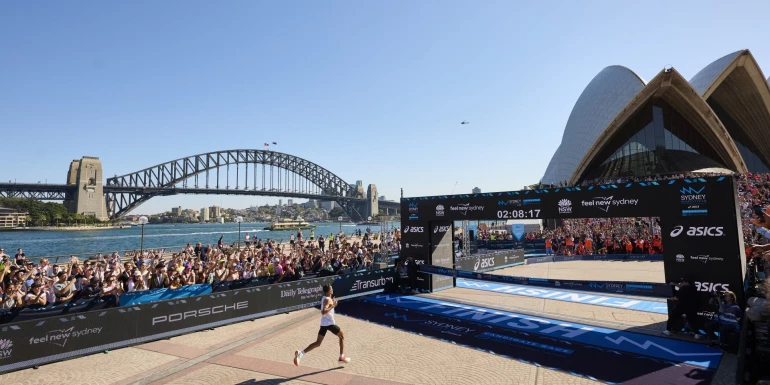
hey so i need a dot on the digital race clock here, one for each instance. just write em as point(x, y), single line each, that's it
point(518, 214)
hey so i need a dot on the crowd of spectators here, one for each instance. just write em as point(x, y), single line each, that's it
point(593, 236)
point(28, 283)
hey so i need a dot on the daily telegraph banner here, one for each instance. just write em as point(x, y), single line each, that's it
point(647, 289)
point(486, 262)
point(699, 222)
point(26, 344)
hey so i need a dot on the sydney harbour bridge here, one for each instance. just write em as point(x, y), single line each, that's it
point(229, 172)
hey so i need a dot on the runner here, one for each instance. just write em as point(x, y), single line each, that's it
point(327, 324)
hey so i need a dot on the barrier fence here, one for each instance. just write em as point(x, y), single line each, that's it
point(139, 297)
point(41, 341)
point(388, 257)
point(597, 257)
point(538, 244)
point(79, 305)
point(646, 289)
point(486, 262)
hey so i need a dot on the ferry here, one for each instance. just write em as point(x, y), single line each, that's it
point(288, 225)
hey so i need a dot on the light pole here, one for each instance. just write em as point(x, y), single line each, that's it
point(239, 219)
point(142, 221)
point(340, 219)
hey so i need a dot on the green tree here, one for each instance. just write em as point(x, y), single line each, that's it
point(337, 212)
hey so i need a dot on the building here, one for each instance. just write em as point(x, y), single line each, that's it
point(622, 126)
point(382, 198)
point(310, 204)
point(216, 211)
point(176, 211)
point(328, 205)
point(205, 214)
point(280, 202)
point(12, 218)
point(359, 183)
point(290, 202)
point(476, 190)
point(278, 210)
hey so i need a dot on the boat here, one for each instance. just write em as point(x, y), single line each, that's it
point(288, 225)
point(368, 223)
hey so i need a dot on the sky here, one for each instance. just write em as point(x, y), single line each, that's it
point(370, 90)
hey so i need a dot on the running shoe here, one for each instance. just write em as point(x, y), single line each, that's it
point(344, 358)
point(297, 357)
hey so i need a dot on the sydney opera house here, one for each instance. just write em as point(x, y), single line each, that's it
point(622, 126)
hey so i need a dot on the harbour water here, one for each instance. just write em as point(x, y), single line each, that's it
point(61, 243)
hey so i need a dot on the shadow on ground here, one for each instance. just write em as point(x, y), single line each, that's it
point(277, 381)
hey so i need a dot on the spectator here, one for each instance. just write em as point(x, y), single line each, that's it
point(64, 287)
point(160, 279)
point(35, 295)
point(137, 282)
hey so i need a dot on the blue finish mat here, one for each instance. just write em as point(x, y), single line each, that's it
point(568, 296)
point(650, 346)
point(600, 365)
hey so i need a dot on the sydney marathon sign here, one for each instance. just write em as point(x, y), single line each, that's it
point(40, 341)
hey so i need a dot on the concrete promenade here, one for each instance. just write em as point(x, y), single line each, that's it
point(261, 351)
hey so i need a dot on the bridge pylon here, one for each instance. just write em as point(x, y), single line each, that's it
point(88, 197)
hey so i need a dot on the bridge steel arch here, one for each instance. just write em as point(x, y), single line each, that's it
point(127, 192)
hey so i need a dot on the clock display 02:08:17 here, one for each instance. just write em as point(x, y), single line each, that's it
point(518, 214)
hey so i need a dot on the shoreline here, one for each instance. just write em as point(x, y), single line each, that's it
point(63, 228)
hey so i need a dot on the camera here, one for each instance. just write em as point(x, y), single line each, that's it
point(759, 213)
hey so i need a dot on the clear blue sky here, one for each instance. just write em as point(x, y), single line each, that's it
point(371, 90)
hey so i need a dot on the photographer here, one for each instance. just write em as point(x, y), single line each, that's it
point(64, 287)
point(686, 300)
point(726, 321)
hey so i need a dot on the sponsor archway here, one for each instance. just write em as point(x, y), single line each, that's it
point(699, 222)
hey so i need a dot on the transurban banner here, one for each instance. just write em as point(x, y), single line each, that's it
point(41, 341)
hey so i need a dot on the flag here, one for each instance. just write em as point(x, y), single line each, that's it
point(275, 143)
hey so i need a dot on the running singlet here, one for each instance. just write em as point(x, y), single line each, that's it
point(328, 318)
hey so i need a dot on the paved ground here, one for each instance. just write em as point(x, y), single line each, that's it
point(632, 271)
point(260, 352)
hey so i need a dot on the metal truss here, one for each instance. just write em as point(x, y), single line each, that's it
point(36, 191)
point(281, 175)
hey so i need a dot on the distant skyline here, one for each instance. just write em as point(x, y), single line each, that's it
point(372, 91)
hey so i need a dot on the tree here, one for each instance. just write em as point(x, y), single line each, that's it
point(337, 212)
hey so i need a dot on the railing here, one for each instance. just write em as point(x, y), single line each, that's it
point(80, 304)
point(126, 255)
point(109, 329)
